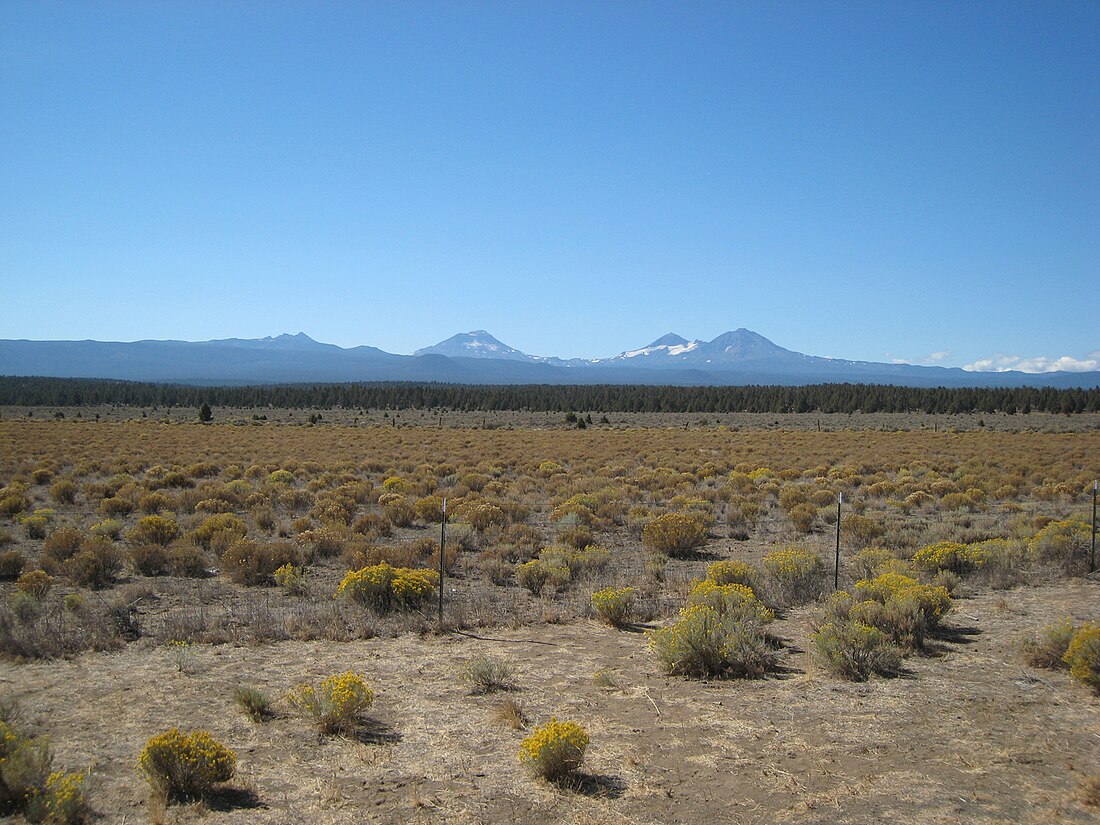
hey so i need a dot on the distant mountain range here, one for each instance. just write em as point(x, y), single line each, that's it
point(733, 358)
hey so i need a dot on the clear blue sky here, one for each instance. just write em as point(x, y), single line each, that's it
point(873, 181)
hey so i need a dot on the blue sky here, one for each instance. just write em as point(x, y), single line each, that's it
point(874, 181)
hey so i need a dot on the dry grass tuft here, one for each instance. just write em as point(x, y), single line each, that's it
point(510, 714)
point(1090, 791)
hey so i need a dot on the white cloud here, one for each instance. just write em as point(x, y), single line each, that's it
point(1041, 363)
point(926, 361)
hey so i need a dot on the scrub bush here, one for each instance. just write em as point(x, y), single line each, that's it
point(250, 563)
point(336, 703)
point(384, 587)
point(29, 785)
point(97, 565)
point(796, 574)
point(555, 749)
point(35, 583)
point(62, 544)
point(486, 673)
point(63, 492)
point(1063, 542)
point(12, 563)
point(252, 702)
point(704, 643)
point(853, 650)
point(220, 523)
point(108, 528)
point(676, 534)
point(1048, 647)
point(185, 766)
point(735, 600)
point(538, 573)
point(154, 530)
point(899, 606)
point(868, 563)
point(399, 512)
point(150, 560)
point(614, 604)
point(291, 579)
point(1083, 656)
point(733, 572)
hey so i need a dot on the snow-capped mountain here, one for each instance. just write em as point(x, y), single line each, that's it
point(667, 346)
point(739, 357)
point(741, 347)
point(476, 344)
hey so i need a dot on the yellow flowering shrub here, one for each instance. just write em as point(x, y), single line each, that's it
point(412, 587)
point(292, 579)
point(63, 800)
point(538, 573)
point(35, 583)
point(335, 704)
point(733, 598)
point(614, 604)
point(704, 643)
point(900, 606)
point(1064, 542)
point(281, 477)
point(1083, 655)
point(554, 749)
point(943, 555)
point(676, 534)
point(733, 572)
point(219, 523)
point(796, 574)
point(934, 601)
point(28, 785)
point(384, 587)
point(883, 586)
point(154, 530)
point(185, 765)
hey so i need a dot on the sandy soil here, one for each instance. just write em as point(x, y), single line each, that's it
point(969, 734)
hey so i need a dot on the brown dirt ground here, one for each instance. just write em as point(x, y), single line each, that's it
point(969, 735)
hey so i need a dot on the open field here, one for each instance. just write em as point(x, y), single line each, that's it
point(112, 654)
point(520, 419)
point(970, 734)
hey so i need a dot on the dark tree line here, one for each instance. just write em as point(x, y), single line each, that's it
point(823, 398)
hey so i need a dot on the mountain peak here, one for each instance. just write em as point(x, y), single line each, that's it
point(475, 344)
point(744, 343)
point(286, 337)
point(670, 339)
point(670, 345)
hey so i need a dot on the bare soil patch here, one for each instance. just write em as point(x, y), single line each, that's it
point(969, 734)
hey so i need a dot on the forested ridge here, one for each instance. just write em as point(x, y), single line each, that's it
point(824, 398)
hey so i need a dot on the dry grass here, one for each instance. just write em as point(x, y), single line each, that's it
point(1090, 791)
point(970, 736)
point(967, 734)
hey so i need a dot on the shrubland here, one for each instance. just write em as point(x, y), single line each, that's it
point(548, 517)
point(705, 540)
